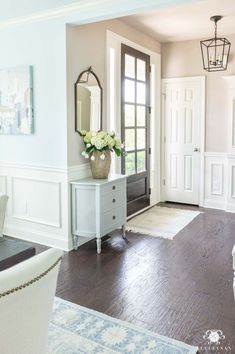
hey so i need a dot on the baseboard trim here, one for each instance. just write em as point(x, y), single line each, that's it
point(37, 237)
point(211, 204)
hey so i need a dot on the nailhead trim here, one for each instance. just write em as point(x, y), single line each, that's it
point(30, 282)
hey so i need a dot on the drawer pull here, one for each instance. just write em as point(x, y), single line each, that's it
point(114, 200)
point(114, 187)
point(114, 217)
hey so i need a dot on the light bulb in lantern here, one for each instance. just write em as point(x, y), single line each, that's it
point(212, 60)
point(219, 59)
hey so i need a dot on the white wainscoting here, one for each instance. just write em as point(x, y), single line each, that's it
point(38, 204)
point(231, 184)
point(3, 184)
point(39, 207)
point(220, 181)
point(38, 201)
point(75, 173)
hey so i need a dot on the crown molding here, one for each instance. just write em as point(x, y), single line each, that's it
point(59, 12)
point(88, 10)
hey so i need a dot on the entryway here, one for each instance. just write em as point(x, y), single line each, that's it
point(183, 119)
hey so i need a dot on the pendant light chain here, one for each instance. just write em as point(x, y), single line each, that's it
point(215, 29)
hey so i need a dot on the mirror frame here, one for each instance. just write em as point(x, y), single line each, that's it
point(89, 71)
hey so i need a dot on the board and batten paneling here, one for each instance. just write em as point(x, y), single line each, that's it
point(38, 204)
point(231, 184)
point(220, 181)
point(38, 201)
point(220, 167)
point(215, 180)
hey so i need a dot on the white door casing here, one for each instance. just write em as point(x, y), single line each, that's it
point(183, 132)
point(113, 105)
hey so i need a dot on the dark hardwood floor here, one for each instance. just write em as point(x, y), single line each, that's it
point(178, 288)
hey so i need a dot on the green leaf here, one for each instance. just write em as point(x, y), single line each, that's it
point(117, 151)
point(90, 149)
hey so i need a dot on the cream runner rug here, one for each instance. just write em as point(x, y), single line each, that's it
point(161, 221)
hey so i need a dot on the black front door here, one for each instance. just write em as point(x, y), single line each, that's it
point(135, 111)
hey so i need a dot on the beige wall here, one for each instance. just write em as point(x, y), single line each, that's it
point(86, 45)
point(184, 59)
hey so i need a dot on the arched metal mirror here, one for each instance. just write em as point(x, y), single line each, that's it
point(88, 102)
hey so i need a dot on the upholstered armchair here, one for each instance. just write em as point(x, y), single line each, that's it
point(27, 293)
point(3, 205)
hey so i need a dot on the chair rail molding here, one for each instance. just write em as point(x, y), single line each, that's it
point(79, 171)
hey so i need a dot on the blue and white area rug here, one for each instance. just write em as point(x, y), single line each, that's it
point(75, 329)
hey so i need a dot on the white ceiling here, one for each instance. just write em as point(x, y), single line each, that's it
point(185, 22)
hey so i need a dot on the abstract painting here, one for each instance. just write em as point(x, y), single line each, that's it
point(16, 101)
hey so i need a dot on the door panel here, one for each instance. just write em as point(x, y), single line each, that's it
point(135, 98)
point(182, 119)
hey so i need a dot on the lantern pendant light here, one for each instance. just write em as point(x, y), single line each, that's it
point(215, 51)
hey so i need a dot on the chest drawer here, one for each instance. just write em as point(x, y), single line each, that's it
point(112, 200)
point(113, 217)
point(114, 187)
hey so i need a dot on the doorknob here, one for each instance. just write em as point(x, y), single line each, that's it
point(124, 153)
point(196, 150)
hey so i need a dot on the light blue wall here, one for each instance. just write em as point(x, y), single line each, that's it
point(41, 45)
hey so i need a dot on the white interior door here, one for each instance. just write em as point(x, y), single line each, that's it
point(183, 137)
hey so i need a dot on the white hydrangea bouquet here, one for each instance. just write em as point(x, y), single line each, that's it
point(100, 141)
point(98, 146)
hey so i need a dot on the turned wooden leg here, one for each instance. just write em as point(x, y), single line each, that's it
point(75, 242)
point(98, 242)
point(124, 231)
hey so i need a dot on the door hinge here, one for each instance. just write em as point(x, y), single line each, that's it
point(149, 190)
point(164, 182)
point(150, 151)
point(164, 95)
point(150, 110)
point(164, 140)
point(150, 69)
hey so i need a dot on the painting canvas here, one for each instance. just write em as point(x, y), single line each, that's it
point(16, 100)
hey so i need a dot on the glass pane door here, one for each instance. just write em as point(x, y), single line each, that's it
point(135, 122)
